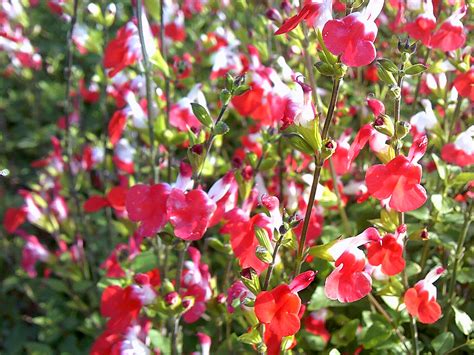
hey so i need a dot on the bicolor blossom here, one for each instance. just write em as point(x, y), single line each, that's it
point(461, 152)
point(388, 252)
point(450, 35)
point(424, 24)
point(420, 300)
point(195, 282)
point(424, 120)
point(464, 84)
point(349, 281)
point(397, 183)
point(299, 108)
point(125, 48)
point(353, 36)
point(315, 12)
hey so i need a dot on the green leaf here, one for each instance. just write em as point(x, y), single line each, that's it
point(322, 251)
point(252, 338)
point(160, 342)
point(299, 143)
point(144, 262)
point(462, 179)
point(443, 343)
point(377, 334)
point(388, 65)
point(415, 69)
point(463, 321)
point(346, 334)
point(440, 166)
point(159, 63)
point(202, 115)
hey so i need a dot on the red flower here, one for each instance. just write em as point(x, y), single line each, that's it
point(116, 126)
point(13, 218)
point(420, 300)
point(279, 309)
point(147, 205)
point(388, 252)
point(314, 13)
point(461, 152)
point(190, 213)
point(315, 323)
point(464, 84)
point(242, 237)
point(398, 182)
point(115, 198)
point(349, 281)
point(353, 36)
point(450, 36)
point(423, 26)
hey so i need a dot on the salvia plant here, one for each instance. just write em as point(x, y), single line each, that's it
point(232, 177)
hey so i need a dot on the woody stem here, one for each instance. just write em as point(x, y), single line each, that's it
point(149, 92)
point(317, 174)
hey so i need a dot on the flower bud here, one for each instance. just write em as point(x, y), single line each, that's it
point(273, 15)
point(328, 148)
point(384, 124)
point(167, 286)
point(263, 254)
point(187, 302)
point(250, 279)
point(172, 299)
point(196, 156)
point(142, 279)
point(402, 129)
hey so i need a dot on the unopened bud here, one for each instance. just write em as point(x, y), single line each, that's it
point(250, 279)
point(328, 149)
point(402, 129)
point(239, 80)
point(273, 15)
point(187, 302)
point(171, 299)
point(142, 279)
point(167, 286)
point(263, 254)
point(384, 124)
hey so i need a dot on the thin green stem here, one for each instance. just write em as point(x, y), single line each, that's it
point(268, 276)
point(418, 83)
point(384, 313)
point(401, 215)
point(454, 118)
point(459, 251)
point(340, 206)
point(209, 144)
point(316, 175)
point(149, 92)
point(176, 319)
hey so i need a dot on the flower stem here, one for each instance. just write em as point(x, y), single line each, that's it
point(209, 143)
point(401, 215)
point(384, 313)
point(317, 175)
point(340, 206)
point(177, 318)
point(458, 258)
point(268, 276)
point(149, 92)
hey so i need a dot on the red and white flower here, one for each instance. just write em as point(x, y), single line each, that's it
point(349, 281)
point(420, 300)
point(353, 36)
